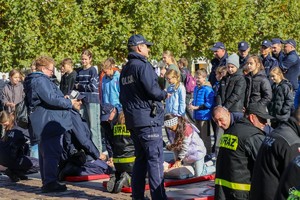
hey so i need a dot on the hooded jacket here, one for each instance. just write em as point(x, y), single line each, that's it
point(282, 101)
point(258, 89)
point(231, 92)
point(49, 111)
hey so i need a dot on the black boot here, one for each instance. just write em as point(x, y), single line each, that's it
point(69, 170)
point(54, 187)
point(13, 177)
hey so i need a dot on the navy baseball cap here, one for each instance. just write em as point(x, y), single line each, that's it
point(106, 109)
point(266, 43)
point(74, 94)
point(218, 45)
point(135, 40)
point(276, 41)
point(243, 46)
point(291, 42)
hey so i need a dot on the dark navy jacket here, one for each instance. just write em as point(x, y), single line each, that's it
point(138, 90)
point(291, 67)
point(13, 147)
point(279, 57)
point(215, 64)
point(269, 62)
point(79, 138)
point(243, 61)
point(49, 111)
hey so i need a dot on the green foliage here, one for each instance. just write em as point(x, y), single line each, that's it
point(63, 28)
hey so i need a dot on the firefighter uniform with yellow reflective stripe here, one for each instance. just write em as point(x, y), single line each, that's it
point(238, 149)
point(123, 149)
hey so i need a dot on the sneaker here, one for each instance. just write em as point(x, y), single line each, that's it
point(13, 177)
point(123, 181)
point(54, 187)
point(111, 183)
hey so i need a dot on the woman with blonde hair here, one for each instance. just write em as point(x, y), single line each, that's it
point(175, 104)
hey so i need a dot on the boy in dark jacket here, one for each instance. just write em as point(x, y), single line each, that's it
point(232, 88)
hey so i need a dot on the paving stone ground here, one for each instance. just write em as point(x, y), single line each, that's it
point(31, 189)
point(91, 190)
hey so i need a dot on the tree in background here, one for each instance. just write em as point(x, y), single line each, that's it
point(63, 28)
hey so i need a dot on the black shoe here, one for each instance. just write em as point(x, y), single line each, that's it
point(21, 176)
point(123, 181)
point(54, 187)
point(111, 183)
point(69, 170)
point(13, 177)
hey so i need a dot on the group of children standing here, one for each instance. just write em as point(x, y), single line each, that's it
point(236, 87)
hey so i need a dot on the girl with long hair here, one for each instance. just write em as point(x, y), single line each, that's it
point(176, 102)
point(186, 144)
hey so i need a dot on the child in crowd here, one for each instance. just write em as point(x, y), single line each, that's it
point(12, 92)
point(221, 71)
point(169, 60)
point(87, 84)
point(282, 101)
point(232, 88)
point(258, 88)
point(201, 105)
point(110, 89)
point(176, 103)
point(186, 144)
point(14, 150)
point(68, 79)
point(119, 146)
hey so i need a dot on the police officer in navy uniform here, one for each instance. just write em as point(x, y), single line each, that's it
point(266, 57)
point(219, 60)
point(50, 118)
point(244, 49)
point(291, 63)
point(141, 96)
point(277, 51)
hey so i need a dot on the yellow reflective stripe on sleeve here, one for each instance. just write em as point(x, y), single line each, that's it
point(124, 160)
point(234, 186)
point(121, 130)
point(229, 141)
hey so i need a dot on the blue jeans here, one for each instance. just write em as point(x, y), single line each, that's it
point(91, 113)
point(201, 169)
point(148, 145)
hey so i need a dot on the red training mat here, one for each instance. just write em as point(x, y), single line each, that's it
point(86, 177)
point(172, 182)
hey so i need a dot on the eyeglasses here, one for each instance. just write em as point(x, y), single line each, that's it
point(50, 69)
